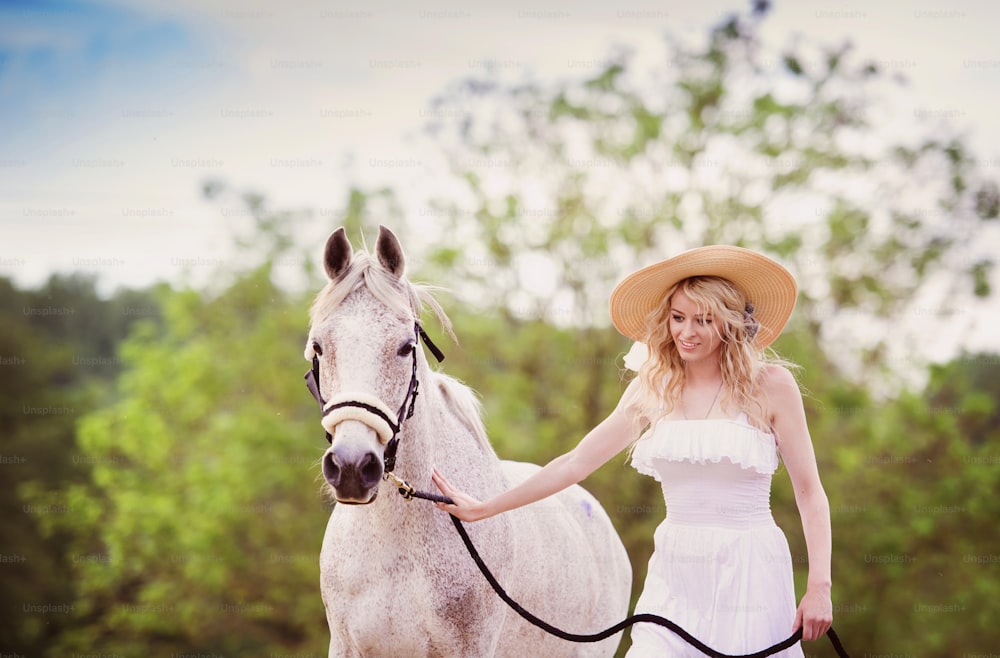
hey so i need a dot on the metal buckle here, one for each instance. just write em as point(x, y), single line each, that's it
point(405, 490)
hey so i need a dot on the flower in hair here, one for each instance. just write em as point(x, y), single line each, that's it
point(750, 322)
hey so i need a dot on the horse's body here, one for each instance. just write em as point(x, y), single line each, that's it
point(396, 579)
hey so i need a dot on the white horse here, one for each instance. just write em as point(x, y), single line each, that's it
point(395, 577)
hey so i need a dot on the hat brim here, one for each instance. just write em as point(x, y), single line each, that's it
point(766, 283)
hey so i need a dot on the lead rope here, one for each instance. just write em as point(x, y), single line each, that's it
point(409, 493)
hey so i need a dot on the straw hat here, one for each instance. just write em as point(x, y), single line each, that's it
point(766, 284)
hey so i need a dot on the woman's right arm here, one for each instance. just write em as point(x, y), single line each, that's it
point(602, 443)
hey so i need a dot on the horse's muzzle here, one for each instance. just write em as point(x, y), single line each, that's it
point(354, 474)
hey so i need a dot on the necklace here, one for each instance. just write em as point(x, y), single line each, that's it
point(710, 407)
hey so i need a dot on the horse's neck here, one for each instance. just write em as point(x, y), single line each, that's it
point(436, 437)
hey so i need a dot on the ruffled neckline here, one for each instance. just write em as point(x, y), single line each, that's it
point(706, 441)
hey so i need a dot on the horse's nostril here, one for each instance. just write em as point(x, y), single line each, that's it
point(330, 470)
point(371, 470)
point(352, 476)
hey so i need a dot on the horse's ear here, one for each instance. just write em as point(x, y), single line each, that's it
point(337, 255)
point(390, 254)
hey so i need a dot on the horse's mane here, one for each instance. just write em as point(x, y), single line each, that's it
point(462, 401)
point(407, 299)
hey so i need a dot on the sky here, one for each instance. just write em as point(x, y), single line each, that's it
point(113, 114)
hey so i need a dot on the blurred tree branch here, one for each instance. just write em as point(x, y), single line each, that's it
point(566, 187)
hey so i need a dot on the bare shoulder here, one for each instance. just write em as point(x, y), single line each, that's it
point(780, 385)
point(777, 376)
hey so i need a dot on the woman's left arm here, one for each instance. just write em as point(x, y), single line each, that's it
point(788, 419)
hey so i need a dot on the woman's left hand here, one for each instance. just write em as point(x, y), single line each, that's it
point(815, 614)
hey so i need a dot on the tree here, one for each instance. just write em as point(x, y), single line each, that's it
point(197, 519)
point(201, 500)
point(57, 362)
point(566, 187)
point(197, 503)
point(914, 522)
point(195, 516)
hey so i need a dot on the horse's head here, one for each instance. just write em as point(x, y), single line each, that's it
point(363, 334)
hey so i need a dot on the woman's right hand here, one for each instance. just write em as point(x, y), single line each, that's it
point(465, 507)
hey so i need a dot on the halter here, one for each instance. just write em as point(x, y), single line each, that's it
point(370, 410)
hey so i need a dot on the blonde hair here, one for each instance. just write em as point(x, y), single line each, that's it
point(663, 375)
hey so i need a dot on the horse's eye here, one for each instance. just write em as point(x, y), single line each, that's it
point(317, 349)
point(405, 349)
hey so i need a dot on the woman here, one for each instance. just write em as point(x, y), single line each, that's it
point(719, 412)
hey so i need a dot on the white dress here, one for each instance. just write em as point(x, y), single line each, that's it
point(721, 567)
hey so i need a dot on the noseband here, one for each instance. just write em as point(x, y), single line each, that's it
point(370, 410)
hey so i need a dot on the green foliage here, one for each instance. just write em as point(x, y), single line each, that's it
point(910, 480)
point(911, 484)
point(715, 145)
point(570, 186)
point(174, 515)
point(202, 501)
point(196, 522)
point(57, 362)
